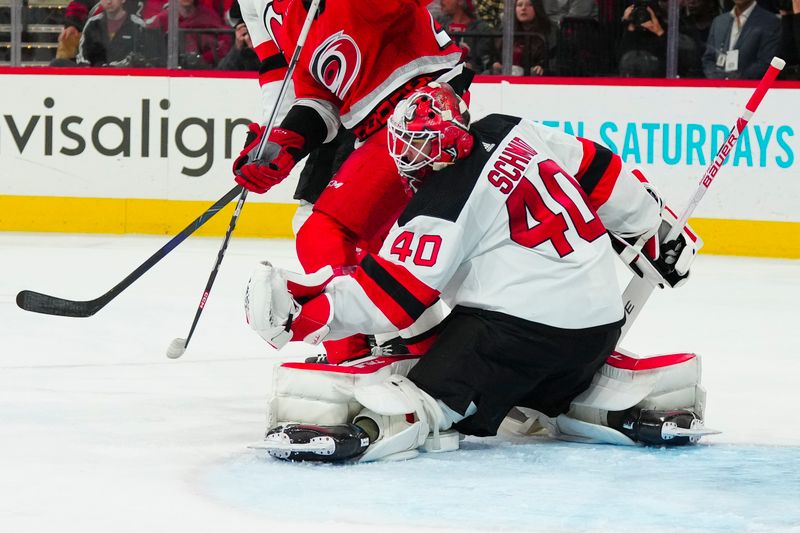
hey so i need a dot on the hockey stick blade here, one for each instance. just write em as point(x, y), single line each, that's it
point(37, 302)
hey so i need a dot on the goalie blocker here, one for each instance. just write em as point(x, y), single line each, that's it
point(665, 263)
point(368, 410)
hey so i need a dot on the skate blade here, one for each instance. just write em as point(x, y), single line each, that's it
point(671, 430)
point(683, 432)
point(279, 445)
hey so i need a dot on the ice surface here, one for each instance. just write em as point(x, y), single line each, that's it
point(99, 431)
point(493, 484)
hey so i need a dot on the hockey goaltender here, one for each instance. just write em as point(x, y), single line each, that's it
point(511, 225)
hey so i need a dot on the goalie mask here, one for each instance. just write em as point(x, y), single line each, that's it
point(428, 131)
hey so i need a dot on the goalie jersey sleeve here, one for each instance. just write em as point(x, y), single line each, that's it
point(518, 228)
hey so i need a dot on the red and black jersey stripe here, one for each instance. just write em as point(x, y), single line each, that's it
point(273, 67)
point(394, 290)
point(598, 172)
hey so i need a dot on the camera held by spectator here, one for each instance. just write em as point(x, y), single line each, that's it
point(644, 43)
point(641, 15)
point(642, 11)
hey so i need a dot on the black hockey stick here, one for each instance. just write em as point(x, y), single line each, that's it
point(178, 345)
point(37, 302)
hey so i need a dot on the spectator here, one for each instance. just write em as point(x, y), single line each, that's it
point(696, 17)
point(75, 16)
point(151, 8)
point(491, 12)
point(533, 38)
point(773, 6)
point(114, 38)
point(458, 16)
point(67, 49)
point(199, 50)
point(644, 42)
point(741, 42)
point(790, 38)
point(557, 10)
point(242, 56)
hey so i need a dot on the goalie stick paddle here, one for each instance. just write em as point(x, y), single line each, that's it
point(37, 302)
point(639, 289)
point(178, 345)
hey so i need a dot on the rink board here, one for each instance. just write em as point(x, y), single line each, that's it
point(131, 151)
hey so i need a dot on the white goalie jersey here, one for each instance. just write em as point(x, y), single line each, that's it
point(518, 227)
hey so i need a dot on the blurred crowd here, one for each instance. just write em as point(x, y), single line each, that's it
point(732, 39)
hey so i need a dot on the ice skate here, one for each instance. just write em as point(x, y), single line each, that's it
point(305, 442)
point(662, 428)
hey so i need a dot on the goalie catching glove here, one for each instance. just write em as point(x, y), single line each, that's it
point(283, 306)
point(284, 148)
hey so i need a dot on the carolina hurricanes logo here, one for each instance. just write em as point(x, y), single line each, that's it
point(273, 16)
point(336, 63)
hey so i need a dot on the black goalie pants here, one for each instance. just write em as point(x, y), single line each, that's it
point(497, 361)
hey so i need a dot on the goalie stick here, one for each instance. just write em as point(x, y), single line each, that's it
point(639, 289)
point(178, 345)
point(37, 302)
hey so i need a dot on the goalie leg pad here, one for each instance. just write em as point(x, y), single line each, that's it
point(397, 438)
point(310, 393)
point(626, 385)
point(657, 382)
point(407, 419)
point(638, 386)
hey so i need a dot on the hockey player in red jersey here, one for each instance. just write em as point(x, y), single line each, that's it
point(357, 63)
point(325, 160)
point(509, 228)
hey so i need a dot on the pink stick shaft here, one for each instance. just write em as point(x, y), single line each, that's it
point(763, 87)
point(727, 147)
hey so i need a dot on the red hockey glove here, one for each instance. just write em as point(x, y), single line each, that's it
point(254, 133)
point(284, 148)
